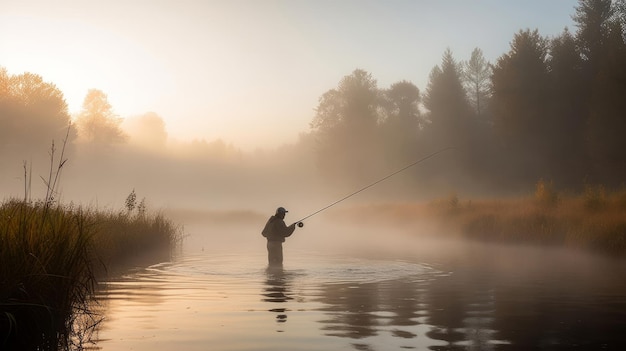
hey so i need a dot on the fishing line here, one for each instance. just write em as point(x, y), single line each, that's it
point(300, 224)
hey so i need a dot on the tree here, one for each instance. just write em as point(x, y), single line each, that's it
point(452, 122)
point(147, 130)
point(593, 20)
point(447, 103)
point(4, 84)
point(96, 123)
point(568, 110)
point(620, 14)
point(519, 105)
point(607, 123)
point(345, 126)
point(477, 81)
point(402, 120)
point(601, 36)
point(33, 113)
point(401, 102)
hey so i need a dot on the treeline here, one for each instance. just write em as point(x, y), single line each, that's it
point(33, 112)
point(550, 108)
point(98, 143)
point(108, 155)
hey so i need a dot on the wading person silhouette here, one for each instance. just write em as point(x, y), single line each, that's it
point(276, 231)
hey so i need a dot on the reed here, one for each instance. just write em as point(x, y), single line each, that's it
point(45, 271)
point(593, 220)
point(124, 238)
point(51, 257)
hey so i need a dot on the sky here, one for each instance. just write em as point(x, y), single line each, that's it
point(250, 72)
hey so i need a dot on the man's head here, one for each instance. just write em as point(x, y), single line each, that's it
point(280, 212)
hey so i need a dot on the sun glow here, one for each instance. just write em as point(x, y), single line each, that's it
point(248, 72)
point(77, 56)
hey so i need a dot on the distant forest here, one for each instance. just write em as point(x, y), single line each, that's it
point(551, 109)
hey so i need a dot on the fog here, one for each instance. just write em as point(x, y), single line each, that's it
point(195, 175)
point(222, 196)
point(349, 144)
point(560, 125)
point(342, 232)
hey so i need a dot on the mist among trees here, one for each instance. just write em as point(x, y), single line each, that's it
point(551, 108)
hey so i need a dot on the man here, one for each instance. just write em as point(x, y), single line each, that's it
point(276, 231)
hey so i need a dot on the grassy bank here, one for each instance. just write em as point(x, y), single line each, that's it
point(594, 220)
point(51, 257)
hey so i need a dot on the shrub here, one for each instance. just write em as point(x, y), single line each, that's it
point(545, 194)
point(595, 198)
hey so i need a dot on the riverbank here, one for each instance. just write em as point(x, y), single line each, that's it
point(594, 220)
point(52, 257)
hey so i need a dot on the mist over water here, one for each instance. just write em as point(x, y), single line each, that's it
point(349, 286)
point(348, 281)
point(542, 123)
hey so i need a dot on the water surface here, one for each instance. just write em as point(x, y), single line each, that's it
point(479, 298)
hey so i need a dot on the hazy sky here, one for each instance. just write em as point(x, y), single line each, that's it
point(250, 72)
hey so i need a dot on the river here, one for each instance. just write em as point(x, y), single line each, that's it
point(428, 295)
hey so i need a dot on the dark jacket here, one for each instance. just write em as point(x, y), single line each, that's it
point(276, 229)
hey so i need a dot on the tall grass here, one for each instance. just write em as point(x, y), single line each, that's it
point(46, 272)
point(127, 237)
point(573, 222)
point(593, 220)
point(51, 257)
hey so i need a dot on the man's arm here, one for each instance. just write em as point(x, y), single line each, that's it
point(285, 230)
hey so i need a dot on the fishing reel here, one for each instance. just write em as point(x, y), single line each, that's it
point(300, 224)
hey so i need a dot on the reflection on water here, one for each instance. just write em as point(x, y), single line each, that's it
point(277, 290)
point(227, 302)
point(412, 313)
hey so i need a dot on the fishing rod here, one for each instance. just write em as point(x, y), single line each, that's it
point(300, 224)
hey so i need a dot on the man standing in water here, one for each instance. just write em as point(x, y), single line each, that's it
point(276, 231)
